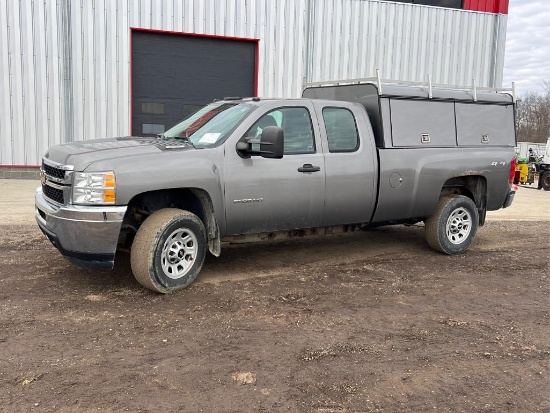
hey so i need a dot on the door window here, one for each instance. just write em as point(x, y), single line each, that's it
point(296, 125)
point(341, 130)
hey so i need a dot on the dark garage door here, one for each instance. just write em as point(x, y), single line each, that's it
point(173, 75)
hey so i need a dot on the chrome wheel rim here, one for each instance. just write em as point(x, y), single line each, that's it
point(459, 226)
point(179, 253)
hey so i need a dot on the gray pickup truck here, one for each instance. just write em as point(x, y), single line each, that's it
point(239, 170)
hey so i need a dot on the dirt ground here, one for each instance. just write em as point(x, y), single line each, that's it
point(365, 322)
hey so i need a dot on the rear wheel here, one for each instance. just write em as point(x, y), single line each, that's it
point(452, 227)
point(168, 250)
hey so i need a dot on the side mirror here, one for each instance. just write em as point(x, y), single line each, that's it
point(272, 143)
point(243, 146)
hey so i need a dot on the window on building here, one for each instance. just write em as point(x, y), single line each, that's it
point(152, 128)
point(189, 109)
point(153, 108)
point(341, 130)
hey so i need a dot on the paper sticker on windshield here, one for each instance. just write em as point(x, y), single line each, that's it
point(209, 138)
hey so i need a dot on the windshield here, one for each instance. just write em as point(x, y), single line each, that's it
point(211, 124)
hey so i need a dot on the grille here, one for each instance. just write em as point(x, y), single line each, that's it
point(52, 171)
point(54, 194)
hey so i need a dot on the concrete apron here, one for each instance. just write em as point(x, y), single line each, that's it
point(17, 204)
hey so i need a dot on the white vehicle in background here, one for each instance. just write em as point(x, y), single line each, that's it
point(544, 168)
point(546, 153)
point(522, 149)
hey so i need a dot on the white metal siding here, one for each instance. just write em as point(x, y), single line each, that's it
point(65, 64)
point(30, 80)
point(351, 39)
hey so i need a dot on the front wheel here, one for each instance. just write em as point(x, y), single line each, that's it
point(452, 227)
point(168, 250)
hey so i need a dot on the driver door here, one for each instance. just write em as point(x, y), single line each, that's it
point(265, 195)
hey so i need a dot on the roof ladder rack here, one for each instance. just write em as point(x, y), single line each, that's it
point(379, 82)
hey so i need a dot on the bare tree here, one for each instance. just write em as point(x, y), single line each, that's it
point(533, 115)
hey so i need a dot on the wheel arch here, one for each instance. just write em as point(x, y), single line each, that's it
point(194, 200)
point(472, 186)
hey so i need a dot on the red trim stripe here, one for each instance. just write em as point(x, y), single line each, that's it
point(257, 68)
point(20, 166)
point(210, 36)
point(131, 80)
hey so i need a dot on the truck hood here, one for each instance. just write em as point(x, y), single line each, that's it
point(82, 154)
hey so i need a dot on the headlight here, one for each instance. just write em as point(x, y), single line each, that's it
point(94, 188)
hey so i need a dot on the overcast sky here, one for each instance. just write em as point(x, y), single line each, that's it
point(527, 55)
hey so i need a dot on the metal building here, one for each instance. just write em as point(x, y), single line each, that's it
point(86, 69)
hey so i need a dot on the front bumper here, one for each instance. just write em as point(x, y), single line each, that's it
point(86, 235)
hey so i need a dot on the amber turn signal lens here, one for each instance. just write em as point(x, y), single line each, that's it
point(110, 181)
point(109, 196)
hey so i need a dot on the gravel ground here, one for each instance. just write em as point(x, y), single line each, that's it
point(364, 322)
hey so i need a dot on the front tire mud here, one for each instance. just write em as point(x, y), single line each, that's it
point(452, 227)
point(168, 250)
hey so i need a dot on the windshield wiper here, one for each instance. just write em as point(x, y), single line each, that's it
point(183, 138)
point(187, 140)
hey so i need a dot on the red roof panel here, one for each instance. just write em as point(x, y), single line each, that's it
point(489, 6)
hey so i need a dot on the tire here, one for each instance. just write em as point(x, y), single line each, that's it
point(452, 227)
point(545, 181)
point(168, 250)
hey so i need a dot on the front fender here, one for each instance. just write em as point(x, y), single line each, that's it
point(198, 169)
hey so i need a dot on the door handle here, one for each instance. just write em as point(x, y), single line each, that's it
point(309, 168)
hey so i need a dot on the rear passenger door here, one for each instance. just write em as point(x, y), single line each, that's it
point(350, 163)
